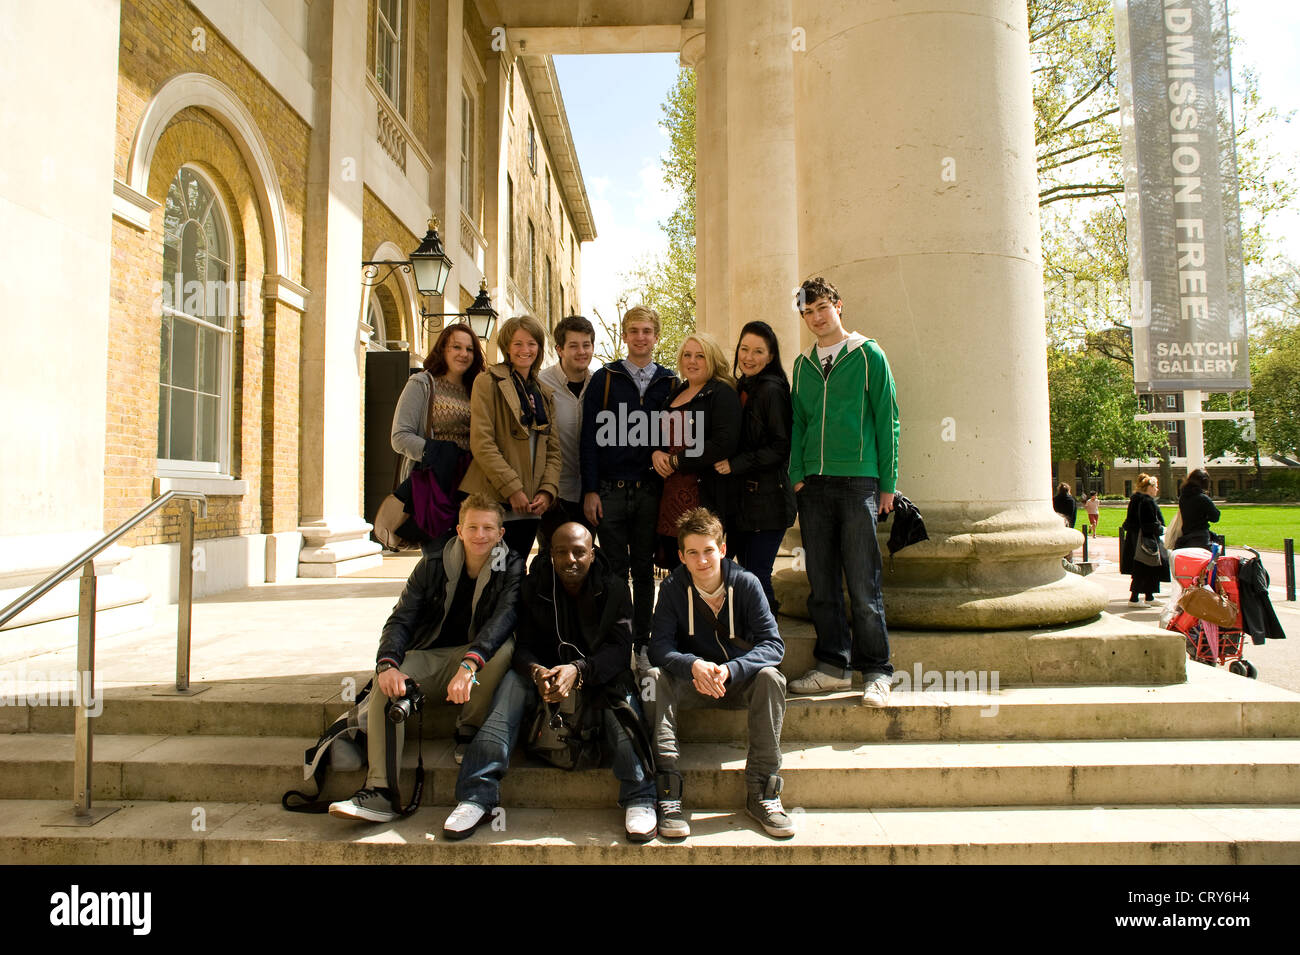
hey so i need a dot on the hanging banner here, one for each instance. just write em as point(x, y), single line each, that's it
point(1180, 183)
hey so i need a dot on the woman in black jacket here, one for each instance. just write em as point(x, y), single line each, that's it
point(1064, 504)
point(765, 505)
point(1143, 518)
point(1196, 510)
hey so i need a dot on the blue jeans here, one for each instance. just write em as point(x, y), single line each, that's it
point(628, 538)
point(837, 518)
point(756, 551)
point(488, 755)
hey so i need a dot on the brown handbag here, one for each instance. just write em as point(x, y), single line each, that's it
point(1206, 604)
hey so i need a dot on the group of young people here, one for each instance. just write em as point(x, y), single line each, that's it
point(612, 471)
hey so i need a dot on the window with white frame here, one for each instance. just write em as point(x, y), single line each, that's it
point(388, 51)
point(467, 154)
point(550, 313)
point(199, 305)
point(1171, 402)
point(510, 226)
point(532, 264)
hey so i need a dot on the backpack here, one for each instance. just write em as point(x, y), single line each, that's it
point(343, 745)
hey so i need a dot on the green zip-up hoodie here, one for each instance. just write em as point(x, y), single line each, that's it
point(859, 437)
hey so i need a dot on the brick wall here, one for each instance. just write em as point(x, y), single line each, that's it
point(158, 42)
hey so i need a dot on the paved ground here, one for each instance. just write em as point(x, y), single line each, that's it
point(1278, 660)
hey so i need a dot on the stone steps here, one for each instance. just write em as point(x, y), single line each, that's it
point(1212, 704)
point(826, 775)
point(234, 833)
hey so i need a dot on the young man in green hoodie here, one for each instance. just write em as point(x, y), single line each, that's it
point(844, 469)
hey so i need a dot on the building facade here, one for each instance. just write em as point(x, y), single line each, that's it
point(211, 192)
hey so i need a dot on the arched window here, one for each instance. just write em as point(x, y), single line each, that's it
point(197, 321)
point(375, 319)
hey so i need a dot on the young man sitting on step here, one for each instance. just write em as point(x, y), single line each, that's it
point(574, 636)
point(714, 642)
point(451, 627)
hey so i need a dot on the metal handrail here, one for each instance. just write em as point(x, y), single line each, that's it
point(83, 755)
point(39, 590)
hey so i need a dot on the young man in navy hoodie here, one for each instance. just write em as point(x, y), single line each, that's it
point(714, 642)
point(620, 489)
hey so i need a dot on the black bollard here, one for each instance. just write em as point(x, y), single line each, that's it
point(1288, 546)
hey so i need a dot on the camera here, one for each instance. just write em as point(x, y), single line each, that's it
point(401, 709)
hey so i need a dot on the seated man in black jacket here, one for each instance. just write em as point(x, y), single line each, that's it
point(451, 626)
point(714, 642)
point(575, 632)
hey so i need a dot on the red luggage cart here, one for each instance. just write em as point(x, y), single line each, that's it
point(1206, 643)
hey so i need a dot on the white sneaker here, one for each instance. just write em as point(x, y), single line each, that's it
point(641, 823)
point(876, 692)
point(815, 681)
point(464, 819)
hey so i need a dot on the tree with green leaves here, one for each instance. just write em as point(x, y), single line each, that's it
point(1092, 409)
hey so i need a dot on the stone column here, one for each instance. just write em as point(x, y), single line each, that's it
point(59, 232)
point(760, 182)
point(918, 199)
point(712, 299)
point(336, 535)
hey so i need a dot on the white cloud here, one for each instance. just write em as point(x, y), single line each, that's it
point(627, 216)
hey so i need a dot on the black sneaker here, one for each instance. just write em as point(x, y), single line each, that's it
point(367, 805)
point(672, 822)
point(765, 806)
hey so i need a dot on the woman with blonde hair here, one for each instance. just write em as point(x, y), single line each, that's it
point(701, 427)
point(1143, 519)
point(516, 454)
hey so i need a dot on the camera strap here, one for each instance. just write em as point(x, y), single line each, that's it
point(390, 755)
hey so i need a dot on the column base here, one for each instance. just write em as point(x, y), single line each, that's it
point(985, 567)
point(337, 546)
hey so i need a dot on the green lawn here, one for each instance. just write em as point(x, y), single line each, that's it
point(1262, 526)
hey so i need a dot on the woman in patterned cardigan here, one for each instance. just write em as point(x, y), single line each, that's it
point(431, 432)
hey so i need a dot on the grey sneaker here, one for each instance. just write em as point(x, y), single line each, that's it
point(765, 806)
point(672, 822)
point(815, 681)
point(367, 805)
point(876, 691)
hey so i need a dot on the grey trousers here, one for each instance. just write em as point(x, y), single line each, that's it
point(433, 670)
point(763, 696)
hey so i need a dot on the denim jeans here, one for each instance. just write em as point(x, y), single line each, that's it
point(488, 756)
point(756, 551)
point(837, 518)
point(627, 539)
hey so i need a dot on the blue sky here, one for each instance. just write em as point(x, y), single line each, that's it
point(613, 104)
